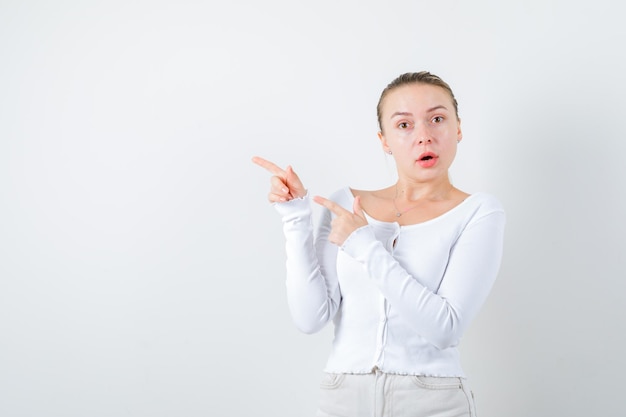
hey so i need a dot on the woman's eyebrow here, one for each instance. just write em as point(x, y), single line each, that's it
point(441, 106)
point(406, 113)
point(401, 113)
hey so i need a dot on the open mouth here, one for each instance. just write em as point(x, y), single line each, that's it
point(427, 159)
point(427, 156)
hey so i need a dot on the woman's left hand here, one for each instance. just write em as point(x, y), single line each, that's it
point(344, 222)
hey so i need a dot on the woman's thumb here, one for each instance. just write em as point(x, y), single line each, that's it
point(356, 207)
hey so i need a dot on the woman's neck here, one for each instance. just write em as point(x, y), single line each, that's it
point(410, 190)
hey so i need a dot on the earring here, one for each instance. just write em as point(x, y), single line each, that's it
point(389, 152)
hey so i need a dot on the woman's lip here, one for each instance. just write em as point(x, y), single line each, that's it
point(425, 154)
point(429, 162)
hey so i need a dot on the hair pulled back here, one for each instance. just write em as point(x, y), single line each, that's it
point(422, 77)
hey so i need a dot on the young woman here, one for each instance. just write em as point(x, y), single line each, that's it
point(401, 271)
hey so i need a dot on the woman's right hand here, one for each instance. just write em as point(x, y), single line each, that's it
point(284, 184)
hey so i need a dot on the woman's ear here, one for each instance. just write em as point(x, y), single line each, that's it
point(459, 132)
point(383, 142)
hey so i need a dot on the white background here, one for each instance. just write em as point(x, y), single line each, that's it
point(142, 269)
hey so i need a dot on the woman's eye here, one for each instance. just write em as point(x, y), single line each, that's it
point(403, 125)
point(437, 119)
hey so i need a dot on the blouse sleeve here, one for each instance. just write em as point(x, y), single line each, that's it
point(313, 292)
point(439, 316)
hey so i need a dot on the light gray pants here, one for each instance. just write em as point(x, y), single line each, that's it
point(388, 395)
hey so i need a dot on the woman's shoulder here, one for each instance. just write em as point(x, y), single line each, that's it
point(343, 196)
point(485, 202)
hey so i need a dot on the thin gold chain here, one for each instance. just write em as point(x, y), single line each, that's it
point(398, 212)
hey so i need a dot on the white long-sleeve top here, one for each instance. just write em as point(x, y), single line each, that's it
point(400, 297)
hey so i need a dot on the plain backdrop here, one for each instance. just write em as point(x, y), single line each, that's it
point(142, 269)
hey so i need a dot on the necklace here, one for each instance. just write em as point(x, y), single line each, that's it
point(398, 211)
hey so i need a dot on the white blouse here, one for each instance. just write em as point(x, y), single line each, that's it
point(400, 297)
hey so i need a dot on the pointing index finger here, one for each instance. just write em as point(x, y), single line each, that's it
point(270, 166)
point(330, 205)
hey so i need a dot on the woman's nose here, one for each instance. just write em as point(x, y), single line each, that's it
point(423, 135)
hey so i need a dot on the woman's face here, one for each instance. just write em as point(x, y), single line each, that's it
point(421, 130)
